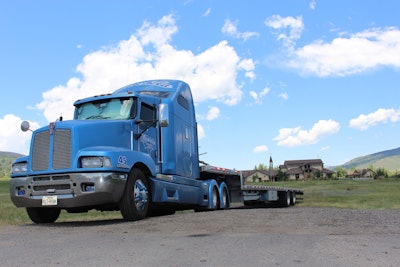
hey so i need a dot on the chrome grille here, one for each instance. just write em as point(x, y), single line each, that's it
point(62, 149)
point(53, 186)
point(41, 150)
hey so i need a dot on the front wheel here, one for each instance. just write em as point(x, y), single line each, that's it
point(135, 200)
point(43, 215)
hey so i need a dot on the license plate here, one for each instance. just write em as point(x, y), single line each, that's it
point(49, 201)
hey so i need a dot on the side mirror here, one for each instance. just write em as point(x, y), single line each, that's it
point(163, 115)
point(25, 126)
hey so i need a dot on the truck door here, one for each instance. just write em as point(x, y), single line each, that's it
point(147, 132)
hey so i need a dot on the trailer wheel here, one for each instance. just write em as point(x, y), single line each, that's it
point(292, 198)
point(135, 200)
point(284, 198)
point(43, 215)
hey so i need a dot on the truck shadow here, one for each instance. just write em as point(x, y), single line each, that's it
point(77, 223)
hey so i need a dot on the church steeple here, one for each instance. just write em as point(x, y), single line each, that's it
point(271, 164)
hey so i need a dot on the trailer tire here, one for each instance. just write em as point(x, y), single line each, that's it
point(284, 198)
point(43, 215)
point(292, 198)
point(134, 204)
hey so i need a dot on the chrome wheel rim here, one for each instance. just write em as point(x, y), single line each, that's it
point(141, 195)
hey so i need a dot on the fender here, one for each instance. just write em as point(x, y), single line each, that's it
point(211, 185)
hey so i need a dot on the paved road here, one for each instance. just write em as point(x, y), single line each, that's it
point(299, 236)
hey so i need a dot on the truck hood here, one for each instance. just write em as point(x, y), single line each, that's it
point(56, 148)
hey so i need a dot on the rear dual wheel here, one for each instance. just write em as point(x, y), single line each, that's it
point(284, 198)
point(225, 199)
point(293, 198)
point(287, 198)
point(215, 201)
point(215, 198)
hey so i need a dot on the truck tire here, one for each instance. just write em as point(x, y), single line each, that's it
point(215, 199)
point(43, 215)
point(225, 199)
point(292, 198)
point(284, 198)
point(135, 200)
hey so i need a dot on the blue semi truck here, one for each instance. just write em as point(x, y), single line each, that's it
point(134, 150)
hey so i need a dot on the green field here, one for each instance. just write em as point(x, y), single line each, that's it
point(367, 194)
point(371, 194)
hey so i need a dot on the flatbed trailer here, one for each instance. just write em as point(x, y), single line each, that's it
point(250, 195)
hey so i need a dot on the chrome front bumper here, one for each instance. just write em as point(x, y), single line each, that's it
point(68, 190)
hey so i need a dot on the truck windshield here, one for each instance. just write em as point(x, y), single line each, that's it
point(107, 109)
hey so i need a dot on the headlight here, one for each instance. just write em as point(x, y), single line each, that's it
point(95, 162)
point(19, 167)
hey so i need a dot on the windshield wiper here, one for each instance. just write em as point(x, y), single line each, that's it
point(96, 117)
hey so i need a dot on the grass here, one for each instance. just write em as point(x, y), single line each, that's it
point(370, 194)
point(352, 194)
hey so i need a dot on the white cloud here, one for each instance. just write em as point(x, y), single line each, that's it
point(355, 53)
point(363, 122)
point(260, 149)
point(254, 95)
point(259, 96)
point(248, 65)
point(148, 54)
point(200, 131)
point(11, 137)
point(291, 137)
point(284, 96)
point(229, 28)
point(207, 12)
point(312, 4)
point(324, 148)
point(213, 113)
point(294, 25)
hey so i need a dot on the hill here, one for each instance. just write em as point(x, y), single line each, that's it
point(6, 158)
point(388, 159)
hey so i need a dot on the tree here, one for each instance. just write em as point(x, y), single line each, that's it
point(381, 172)
point(261, 166)
point(340, 172)
point(282, 176)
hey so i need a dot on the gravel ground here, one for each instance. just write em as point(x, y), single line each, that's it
point(300, 236)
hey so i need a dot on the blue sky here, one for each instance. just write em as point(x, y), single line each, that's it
point(288, 79)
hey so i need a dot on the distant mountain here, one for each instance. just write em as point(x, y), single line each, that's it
point(10, 154)
point(388, 159)
point(6, 158)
